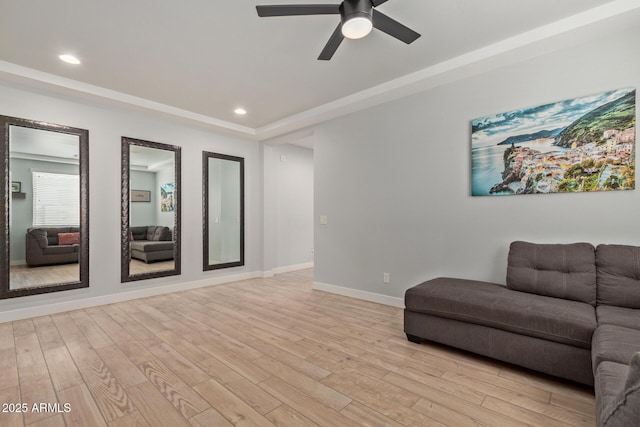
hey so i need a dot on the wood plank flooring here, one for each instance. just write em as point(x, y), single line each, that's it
point(23, 276)
point(262, 352)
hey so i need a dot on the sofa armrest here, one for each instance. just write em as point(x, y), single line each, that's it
point(37, 237)
point(626, 410)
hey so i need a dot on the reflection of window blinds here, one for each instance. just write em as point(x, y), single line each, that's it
point(56, 199)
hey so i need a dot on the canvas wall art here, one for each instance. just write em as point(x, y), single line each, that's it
point(579, 145)
point(166, 197)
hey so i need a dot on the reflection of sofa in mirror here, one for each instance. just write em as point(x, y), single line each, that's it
point(52, 245)
point(151, 243)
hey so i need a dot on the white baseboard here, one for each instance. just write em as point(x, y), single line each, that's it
point(363, 295)
point(78, 304)
point(295, 267)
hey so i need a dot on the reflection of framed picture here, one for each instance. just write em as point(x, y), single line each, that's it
point(16, 187)
point(166, 197)
point(140, 196)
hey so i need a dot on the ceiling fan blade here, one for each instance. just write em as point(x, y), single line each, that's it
point(332, 45)
point(377, 3)
point(393, 28)
point(298, 9)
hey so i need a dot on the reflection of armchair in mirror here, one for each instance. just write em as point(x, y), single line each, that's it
point(46, 247)
point(223, 216)
point(150, 210)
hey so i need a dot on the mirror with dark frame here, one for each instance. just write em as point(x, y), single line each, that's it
point(150, 234)
point(223, 211)
point(45, 208)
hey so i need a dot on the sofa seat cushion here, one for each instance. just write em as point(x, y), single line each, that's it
point(147, 246)
point(619, 316)
point(609, 383)
point(566, 271)
point(613, 343)
point(59, 250)
point(493, 305)
point(625, 410)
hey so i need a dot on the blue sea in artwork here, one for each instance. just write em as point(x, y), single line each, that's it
point(487, 167)
point(487, 164)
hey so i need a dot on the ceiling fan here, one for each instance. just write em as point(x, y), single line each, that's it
point(357, 19)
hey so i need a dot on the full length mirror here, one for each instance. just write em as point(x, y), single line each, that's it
point(150, 234)
point(45, 222)
point(223, 216)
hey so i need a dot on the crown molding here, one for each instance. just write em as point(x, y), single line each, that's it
point(31, 77)
point(617, 15)
point(522, 46)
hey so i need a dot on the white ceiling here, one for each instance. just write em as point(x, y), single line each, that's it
point(199, 59)
point(38, 144)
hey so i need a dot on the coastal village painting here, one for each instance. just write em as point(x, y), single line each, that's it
point(579, 145)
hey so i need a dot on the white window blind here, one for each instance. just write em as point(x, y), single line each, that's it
point(56, 199)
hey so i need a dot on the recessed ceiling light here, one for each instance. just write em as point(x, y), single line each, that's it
point(240, 111)
point(69, 59)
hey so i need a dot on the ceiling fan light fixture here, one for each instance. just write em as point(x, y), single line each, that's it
point(357, 27)
point(357, 19)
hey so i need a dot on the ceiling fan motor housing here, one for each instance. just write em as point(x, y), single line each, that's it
point(350, 9)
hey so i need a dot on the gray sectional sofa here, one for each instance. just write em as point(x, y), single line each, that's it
point(572, 311)
point(43, 247)
point(151, 243)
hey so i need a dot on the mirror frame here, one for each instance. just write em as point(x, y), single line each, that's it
point(83, 163)
point(205, 211)
point(125, 251)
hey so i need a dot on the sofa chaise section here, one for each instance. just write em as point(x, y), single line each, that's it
point(511, 326)
point(572, 311)
point(151, 243)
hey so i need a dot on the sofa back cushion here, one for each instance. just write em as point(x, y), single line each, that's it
point(138, 233)
point(562, 270)
point(39, 235)
point(154, 233)
point(158, 233)
point(50, 233)
point(618, 272)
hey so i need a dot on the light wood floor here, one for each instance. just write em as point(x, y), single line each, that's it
point(139, 267)
point(23, 276)
point(263, 352)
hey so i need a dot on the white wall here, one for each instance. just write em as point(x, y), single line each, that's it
point(293, 170)
point(106, 126)
point(394, 180)
point(144, 213)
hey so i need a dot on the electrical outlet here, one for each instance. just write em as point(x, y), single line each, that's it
point(323, 220)
point(386, 278)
